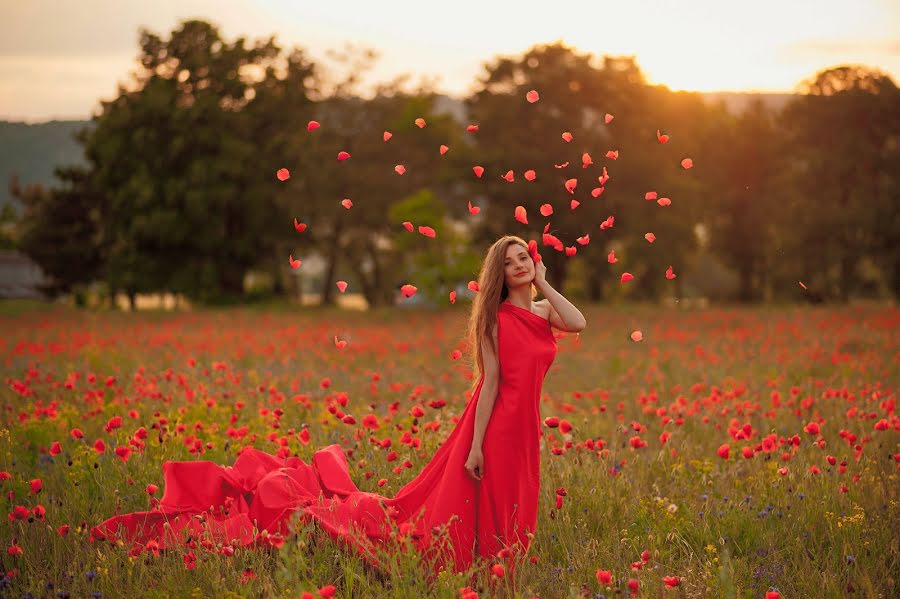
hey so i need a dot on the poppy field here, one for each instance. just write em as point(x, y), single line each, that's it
point(724, 452)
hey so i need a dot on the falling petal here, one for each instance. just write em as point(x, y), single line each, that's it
point(346, 203)
point(312, 126)
point(687, 163)
point(597, 191)
point(650, 237)
point(426, 231)
point(473, 286)
point(408, 225)
point(339, 344)
point(521, 216)
point(294, 263)
point(479, 170)
point(342, 285)
point(343, 156)
point(408, 290)
point(661, 138)
point(420, 123)
point(608, 118)
point(664, 201)
point(532, 96)
point(604, 178)
point(387, 135)
point(400, 169)
point(546, 209)
point(636, 336)
point(443, 149)
point(574, 204)
point(611, 258)
point(473, 209)
point(613, 154)
point(801, 284)
point(472, 128)
point(301, 227)
point(670, 274)
point(532, 248)
point(453, 297)
point(626, 276)
point(567, 136)
point(530, 175)
point(571, 184)
point(509, 176)
point(283, 174)
point(650, 195)
point(586, 160)
point(584, 239)
point(563, 165)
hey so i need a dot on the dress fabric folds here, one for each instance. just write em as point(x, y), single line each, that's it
point(252, 502)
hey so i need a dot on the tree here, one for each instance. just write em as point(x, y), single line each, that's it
point(842, 136)
point(515, 135)
point(576, 92)
point(748, 198)
point(435, 265)
point(189, 188)
point(360, 236)
point(59, 229)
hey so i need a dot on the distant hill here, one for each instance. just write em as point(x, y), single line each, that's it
point(738, 102)
point(32, 151)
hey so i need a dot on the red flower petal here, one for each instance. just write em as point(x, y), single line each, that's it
point(520, 215)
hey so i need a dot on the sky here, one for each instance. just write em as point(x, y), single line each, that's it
point(59, 58)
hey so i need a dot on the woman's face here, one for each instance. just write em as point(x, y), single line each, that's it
point(518, 267)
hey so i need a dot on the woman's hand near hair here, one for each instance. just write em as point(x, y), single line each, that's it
point(540, 274)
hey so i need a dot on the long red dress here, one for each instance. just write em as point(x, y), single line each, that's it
point(211, 504)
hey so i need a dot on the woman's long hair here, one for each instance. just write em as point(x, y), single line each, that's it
point(491, 292)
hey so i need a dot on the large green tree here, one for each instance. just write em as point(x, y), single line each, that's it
point(841, 140)
point(186, 163)
point(575, 93)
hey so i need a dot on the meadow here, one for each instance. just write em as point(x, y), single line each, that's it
point(732, 452)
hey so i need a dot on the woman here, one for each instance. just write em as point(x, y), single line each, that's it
point(476, 497)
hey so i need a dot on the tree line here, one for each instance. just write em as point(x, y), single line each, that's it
point(180, 192)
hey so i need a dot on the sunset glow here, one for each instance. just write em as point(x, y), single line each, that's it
point(59, 59)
